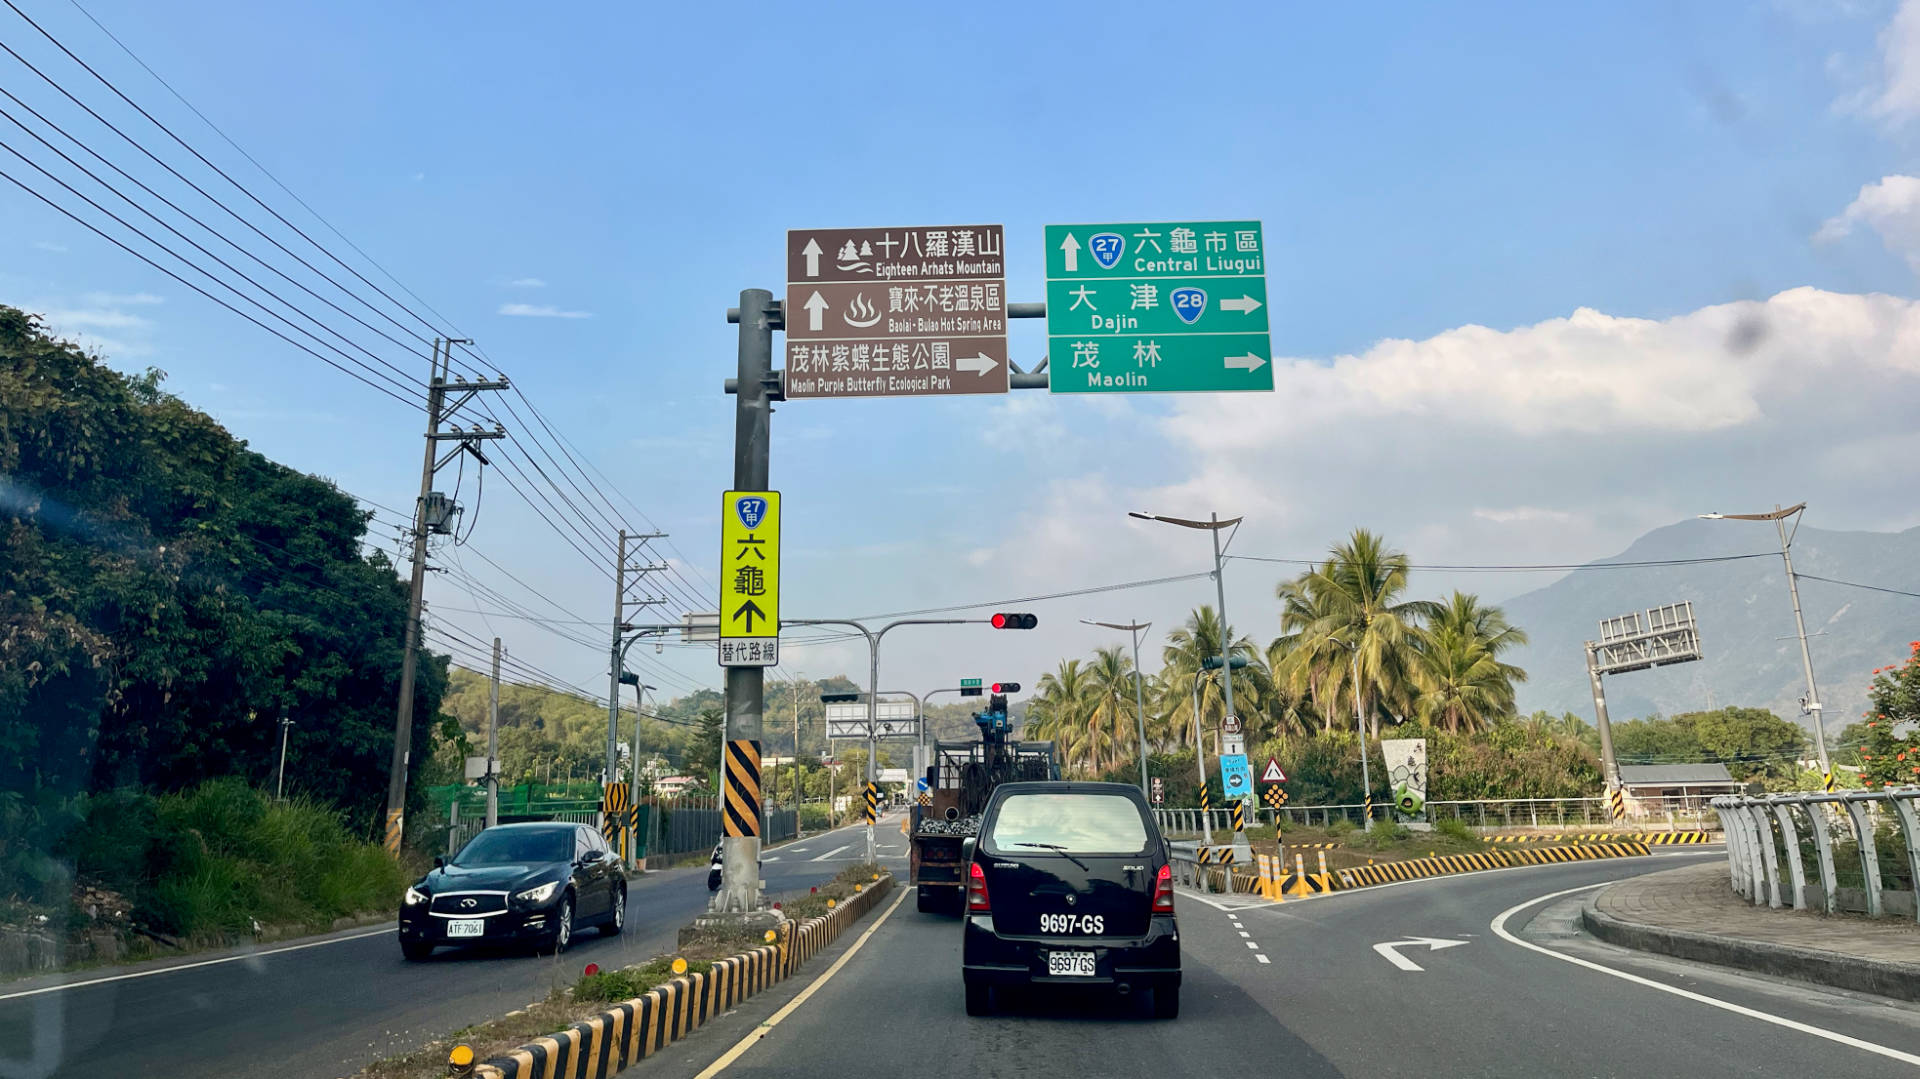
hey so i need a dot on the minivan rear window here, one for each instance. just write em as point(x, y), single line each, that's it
point(1074, 823)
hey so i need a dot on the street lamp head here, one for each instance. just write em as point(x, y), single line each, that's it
point(1211, 526)
point(1711, 516)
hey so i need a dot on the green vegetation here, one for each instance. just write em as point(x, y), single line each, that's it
point(1351, 644)
point(168, 596)
point(1888, 736)
point(630, 982)
point(1753, 743)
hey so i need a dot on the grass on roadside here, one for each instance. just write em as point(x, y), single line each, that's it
point(800, 906)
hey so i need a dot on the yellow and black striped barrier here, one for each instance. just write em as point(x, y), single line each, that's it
point(1617, 800)
point(1655, 838)
point(1239, 817)
point(635, 1029)
point(742, 789)
point(1414, 868)
point(873, 802)
point(1310, 846)
point(1215, 855)
point(616, 804)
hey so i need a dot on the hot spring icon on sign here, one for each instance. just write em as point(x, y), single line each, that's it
point(751, 509)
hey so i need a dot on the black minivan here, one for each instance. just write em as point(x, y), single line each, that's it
point(1069, 884)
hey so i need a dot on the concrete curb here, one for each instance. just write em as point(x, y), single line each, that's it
point(1878, 976)
point(633, 1030)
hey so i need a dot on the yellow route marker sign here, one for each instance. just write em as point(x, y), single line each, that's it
point(750, 579)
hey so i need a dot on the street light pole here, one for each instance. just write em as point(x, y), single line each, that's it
point(1139, 693)
point(1812, 704)
point(873, 681)
point(1200, 757)
point(1214, 524)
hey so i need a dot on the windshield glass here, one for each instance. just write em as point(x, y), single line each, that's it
point(1071, 823)
point(502, 846)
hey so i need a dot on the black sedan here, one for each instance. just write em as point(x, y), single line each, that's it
point(530, 884)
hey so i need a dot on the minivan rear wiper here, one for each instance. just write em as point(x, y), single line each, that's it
point(1057, 849)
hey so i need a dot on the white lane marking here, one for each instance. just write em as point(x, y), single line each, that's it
point(1390, 950)
point(798, 850)
point(201, 963)
point(793, 1005)
point(1252, 945)
point(1244, 933)
point(830, 853)
point(1499, 926)
point(771, 858)
point(1262, 957)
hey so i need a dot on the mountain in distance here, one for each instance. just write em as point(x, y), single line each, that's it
point(1747, 638)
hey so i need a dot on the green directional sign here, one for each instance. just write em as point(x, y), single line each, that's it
point(1157, 308)
point(969, 683)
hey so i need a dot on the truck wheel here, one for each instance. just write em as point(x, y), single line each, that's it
point(979, 999)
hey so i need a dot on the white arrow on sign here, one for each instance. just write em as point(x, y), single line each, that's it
point(815, 306)
point(979, 365)
point(1070, 247)
point(812, 251)
point(1249, 362)
point(1386, 949)
point(1246, 305)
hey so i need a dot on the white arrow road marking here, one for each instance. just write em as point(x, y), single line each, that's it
point(1246, 305)
point(812, 251)
point(1070, 247)
point(1387, 950)
point(816, 306)
point(1249, 362)
point(979, 365)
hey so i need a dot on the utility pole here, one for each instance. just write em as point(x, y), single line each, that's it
point(621, 601)
point(280, 784)
point(1139, 694)
point(755, 390)
point(1811, 704)
point(1609, 765)
point(432, 513)
point(493, 739)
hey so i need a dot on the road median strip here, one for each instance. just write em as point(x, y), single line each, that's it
point(632, 1030)
point(1413, 868)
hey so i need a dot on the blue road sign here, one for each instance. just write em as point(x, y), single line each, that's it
point(1236, 778)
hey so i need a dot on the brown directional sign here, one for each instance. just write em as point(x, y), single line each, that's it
point(896, 312)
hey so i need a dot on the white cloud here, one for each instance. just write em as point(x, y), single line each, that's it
point(529, 310)
point(95, 318)
point(122, 299)
point(1894, 97)
point(49, 245)
point(1890, 206)
point(526, 282)
point(1553, 442)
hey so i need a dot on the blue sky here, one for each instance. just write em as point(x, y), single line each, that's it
point(1420, 172)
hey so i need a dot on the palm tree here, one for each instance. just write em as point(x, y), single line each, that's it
point(1355, 605)
point(1110, 678)
point(1187, 650)
point(1463, 685)
point(1065, 700)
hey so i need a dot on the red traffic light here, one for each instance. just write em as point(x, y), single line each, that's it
point(1015, 621)
point(1006, 687)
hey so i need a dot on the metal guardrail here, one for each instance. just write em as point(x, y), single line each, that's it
point(1765, 832)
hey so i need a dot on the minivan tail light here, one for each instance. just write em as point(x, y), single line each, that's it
point(1162, 891)
point(977, 889)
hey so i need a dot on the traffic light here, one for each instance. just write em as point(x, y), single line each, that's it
point(1015, 621)
point(1213, 663)
point(1006, 687)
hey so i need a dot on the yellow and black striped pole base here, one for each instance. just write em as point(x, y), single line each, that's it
point(741, 784)
point(1239, 816)
point(1617, 803)
point(1205, 800)
point(873, 803)
point(1826, 782)
point(396, 822)
point(615, 800)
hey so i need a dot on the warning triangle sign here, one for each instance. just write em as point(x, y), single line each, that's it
point(1273, 774)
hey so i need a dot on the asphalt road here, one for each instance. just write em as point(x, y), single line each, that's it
point(1298, 989)
point(325, 1006)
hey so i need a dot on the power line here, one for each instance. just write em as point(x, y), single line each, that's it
point(1091, 590)
point(1517, 567)
point(1857, 584)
